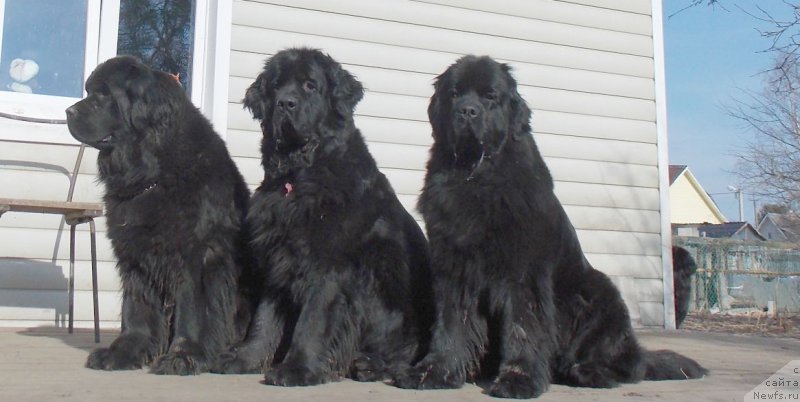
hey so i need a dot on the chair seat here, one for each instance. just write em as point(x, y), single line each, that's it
point(72, 210)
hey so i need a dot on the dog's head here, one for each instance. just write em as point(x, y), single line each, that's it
point(300, 94)
point(126, 101)
point(476, 109)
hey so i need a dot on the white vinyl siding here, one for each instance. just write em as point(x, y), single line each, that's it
point(585, 68)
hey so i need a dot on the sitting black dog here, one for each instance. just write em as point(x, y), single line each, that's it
point(175, 209)
point(517, 300)
point(346, 266)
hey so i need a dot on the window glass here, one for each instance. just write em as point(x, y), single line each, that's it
point(43, 47)
point(160, 33)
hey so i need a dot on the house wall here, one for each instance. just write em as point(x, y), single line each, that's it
point(686, 204)
point(771, 231)
point(585, 67)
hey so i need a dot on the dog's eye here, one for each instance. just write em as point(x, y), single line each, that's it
point(454, 93)
point(309, 86)
point(103, 90)
point(492, 96)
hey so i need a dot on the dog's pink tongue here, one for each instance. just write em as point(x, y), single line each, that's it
point(289, 188)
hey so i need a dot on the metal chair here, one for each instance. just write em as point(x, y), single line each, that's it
point(75, 213)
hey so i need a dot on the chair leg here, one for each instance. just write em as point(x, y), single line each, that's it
point(94, 282)
point(71, 275)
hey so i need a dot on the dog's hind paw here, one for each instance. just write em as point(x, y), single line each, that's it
point(366, 369)
point(429, 376)
point(516, 384)
point(127, 352)
point(294, 376)
point(113, 359)
point(233, 363)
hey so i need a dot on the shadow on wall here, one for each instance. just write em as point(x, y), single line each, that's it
point(35, 285)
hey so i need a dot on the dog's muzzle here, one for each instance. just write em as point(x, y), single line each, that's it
point(469, 117)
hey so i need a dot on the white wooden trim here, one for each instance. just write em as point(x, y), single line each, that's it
point(109, 28)
point(216, 76)
point(199, 49)
point(663, 164)
point(2, 18)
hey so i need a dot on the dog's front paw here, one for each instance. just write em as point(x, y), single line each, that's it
point(184, 358)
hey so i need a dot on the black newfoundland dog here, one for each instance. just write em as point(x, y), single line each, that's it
point(517, 299)
point(175, 208)
point(346, 265)
point(683, 267)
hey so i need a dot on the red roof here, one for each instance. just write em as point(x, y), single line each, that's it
point(674, 172)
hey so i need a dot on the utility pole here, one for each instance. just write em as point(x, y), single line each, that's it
point(740, 196)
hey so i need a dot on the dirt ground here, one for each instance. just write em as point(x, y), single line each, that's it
point(47, 364)
point(786, 325)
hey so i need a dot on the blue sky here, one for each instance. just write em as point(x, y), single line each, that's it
point(711, 54)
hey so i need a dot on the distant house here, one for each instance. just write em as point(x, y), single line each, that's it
point(780, 227)
point(728, 230)
point(689, 202)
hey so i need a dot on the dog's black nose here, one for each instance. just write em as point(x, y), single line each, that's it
point(469, 111)
point(287, 104)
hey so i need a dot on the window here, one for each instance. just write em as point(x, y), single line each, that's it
point(45, 54)
point(30, 60)
point(49, 47)
point(160, 33)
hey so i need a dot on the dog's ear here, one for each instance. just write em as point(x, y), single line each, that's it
point(150, 105)
point(256, 97)
point(120, 96)
point(520, 116)
point(131, 86)
point(347, 90)
point(520, 119)
point(436, 107)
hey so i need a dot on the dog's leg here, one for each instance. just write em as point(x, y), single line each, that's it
point(193, 314)
point(599, 347)
point(256, 352)
point(390, 344)
point(144, 330)
point(526, 343)
point(459, 339)
point(324, 338)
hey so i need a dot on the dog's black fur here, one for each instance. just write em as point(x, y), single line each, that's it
point(347, 265)
point(175, 209)
point(517, 299)
point(683, 267)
